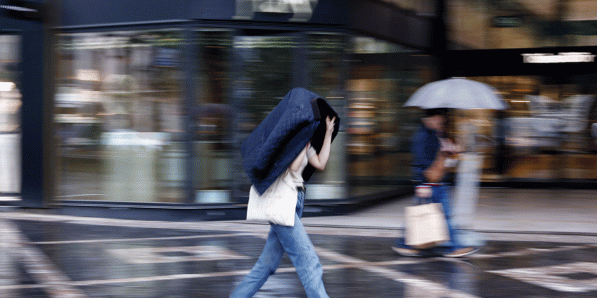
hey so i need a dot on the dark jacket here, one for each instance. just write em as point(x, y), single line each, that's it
point(271, 147)
point(424, 147)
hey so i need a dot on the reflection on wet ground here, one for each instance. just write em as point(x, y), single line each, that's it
point(65, 258)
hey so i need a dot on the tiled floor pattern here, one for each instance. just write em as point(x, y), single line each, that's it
point(60, 256)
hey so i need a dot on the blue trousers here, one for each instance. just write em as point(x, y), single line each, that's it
point(440, 194)
point(296, 243)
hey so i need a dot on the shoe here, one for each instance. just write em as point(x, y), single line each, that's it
point(461, 252)
point(406, 252)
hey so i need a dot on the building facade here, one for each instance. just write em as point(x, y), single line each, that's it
point(127, 106)
point(152, 101)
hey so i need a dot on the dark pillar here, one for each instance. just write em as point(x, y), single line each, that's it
point(439, 41)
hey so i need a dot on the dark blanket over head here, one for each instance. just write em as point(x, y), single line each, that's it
point(270, 149)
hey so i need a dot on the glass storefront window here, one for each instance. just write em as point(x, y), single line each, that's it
point(382, 77)
point(119, 117)
point(10, 124)
point(545, 135)
point(213, 117)
point(122, 130)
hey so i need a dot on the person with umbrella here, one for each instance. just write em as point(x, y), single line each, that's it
point(431, 150)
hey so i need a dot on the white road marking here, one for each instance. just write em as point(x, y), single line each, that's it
point(169, 254)
point(141, 239)
point(529, 251)
point(431, 289)
point(38, 265)
point(244, 226)
point(554, 277)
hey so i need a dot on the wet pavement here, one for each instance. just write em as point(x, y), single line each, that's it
point(46, 255)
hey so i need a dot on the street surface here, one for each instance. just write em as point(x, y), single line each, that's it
point(48, 255)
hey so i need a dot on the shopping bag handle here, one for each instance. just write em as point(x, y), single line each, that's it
point(424, 192)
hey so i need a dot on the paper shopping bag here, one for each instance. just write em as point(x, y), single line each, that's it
point(425, 226)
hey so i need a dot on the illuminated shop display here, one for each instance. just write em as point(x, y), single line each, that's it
point(127, 133)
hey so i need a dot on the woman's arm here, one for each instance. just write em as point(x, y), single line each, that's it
point(436, 171)
point(320, 160)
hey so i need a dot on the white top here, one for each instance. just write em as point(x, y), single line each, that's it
point(297, 176)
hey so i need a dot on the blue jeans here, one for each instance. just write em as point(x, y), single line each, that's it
point(295, 242)
point(440, 194)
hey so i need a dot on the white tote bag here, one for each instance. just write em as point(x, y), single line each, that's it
point(276, 205)
point(425, 225)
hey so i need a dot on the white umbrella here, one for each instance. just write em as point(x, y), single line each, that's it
point(457, 93)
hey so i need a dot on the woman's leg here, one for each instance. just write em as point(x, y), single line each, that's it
point(296, 242)
point(441, 194)
point(301, 251)
point(265, 266)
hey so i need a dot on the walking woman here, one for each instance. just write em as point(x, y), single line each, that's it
point(292, 240)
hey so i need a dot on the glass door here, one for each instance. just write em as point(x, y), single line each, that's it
point(212, 117)
point(10, 124)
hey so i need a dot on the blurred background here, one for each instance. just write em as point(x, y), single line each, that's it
point(145, 103)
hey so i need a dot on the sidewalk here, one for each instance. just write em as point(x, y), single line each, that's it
point(549, 211)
